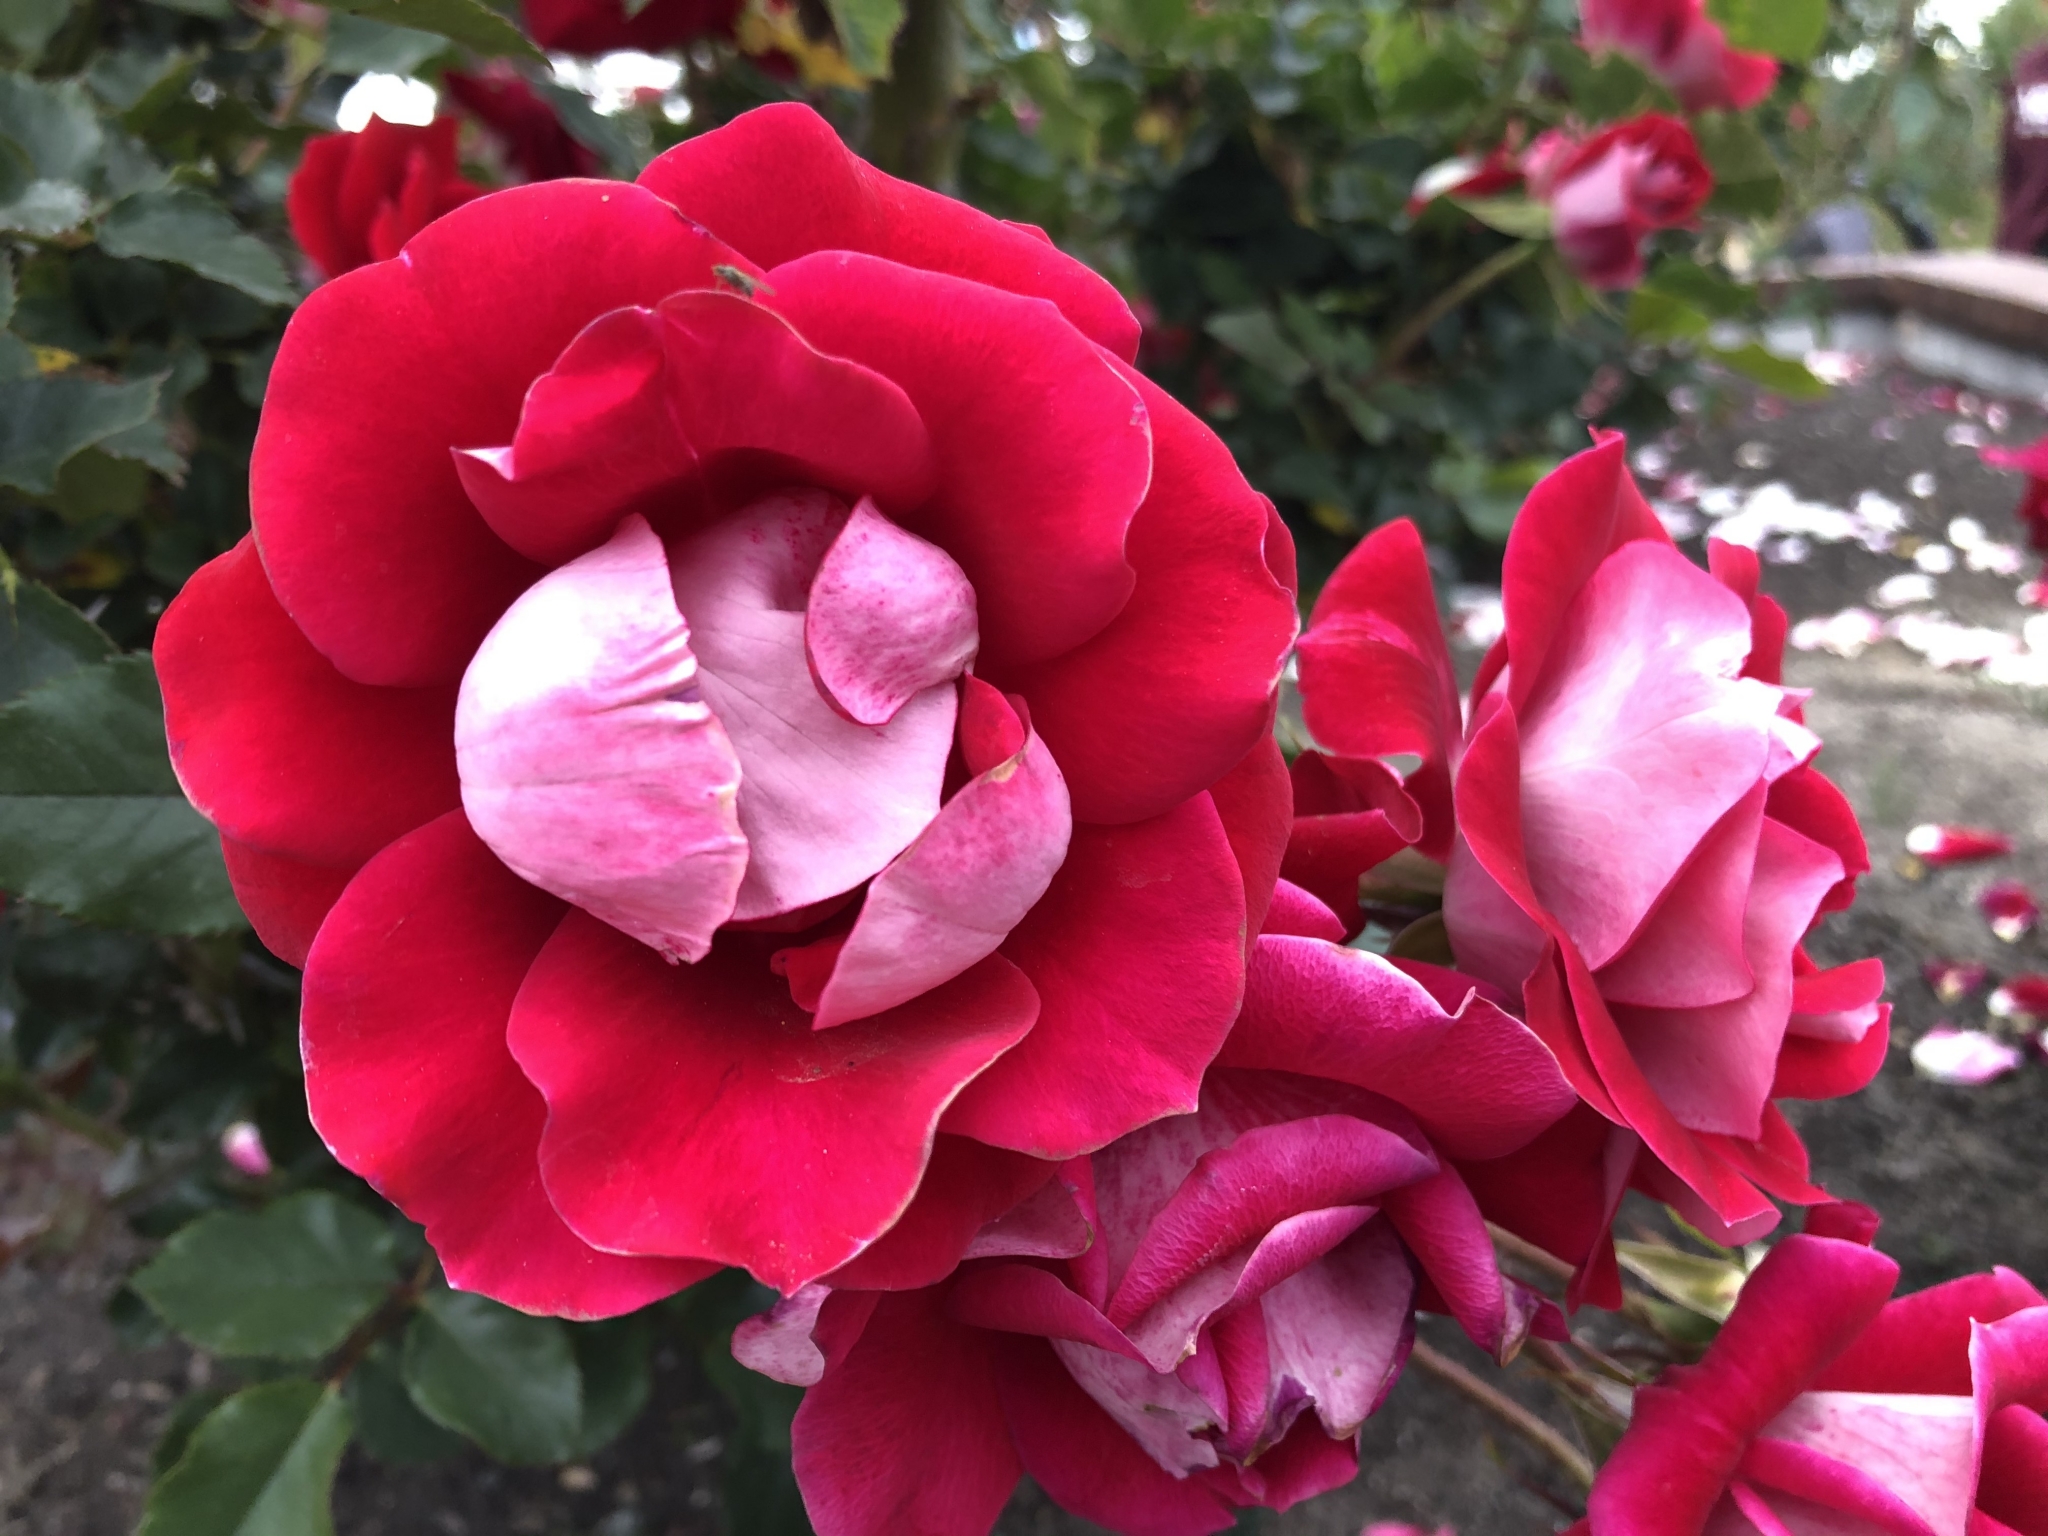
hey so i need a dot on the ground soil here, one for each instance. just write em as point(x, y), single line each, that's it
point(1957, 1172)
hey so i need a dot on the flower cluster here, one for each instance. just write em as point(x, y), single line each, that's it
point(757, 722)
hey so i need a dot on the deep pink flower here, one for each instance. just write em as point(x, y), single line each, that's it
point(2009, 907)
point(602, 26)
point(533, 139)
point(1937, 843)
point(1639, 844)
point(2031, 461)
point(592, 715)
point(1617, 187)
point(1824, 1407)
point(358, 197)
point(1674, 40)
point(1196, 1318)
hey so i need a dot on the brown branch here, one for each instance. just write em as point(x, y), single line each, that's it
point(25, 1093)
point(396, 1308)
point(1508, 1411)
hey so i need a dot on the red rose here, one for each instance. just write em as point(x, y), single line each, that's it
point(1674, 40)
point(2030, 460)
point(358, 197)
point(1639, 846)
point(1823, 1407)
point(1196, 1318)
point(600, 659)
point(602, 26)
point(534, 141)
point(1607, 193)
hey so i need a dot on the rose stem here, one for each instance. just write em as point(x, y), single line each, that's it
point(1508, 1411)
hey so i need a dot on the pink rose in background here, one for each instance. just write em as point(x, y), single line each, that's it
point(1609, 192)
point(1674, 40)
point(1640, 845)
point(2031, 461)
point(1823, 1409)
point(1196, 1318)
point(1493, 174)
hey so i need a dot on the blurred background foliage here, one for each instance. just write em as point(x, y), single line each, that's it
point(1242, 169)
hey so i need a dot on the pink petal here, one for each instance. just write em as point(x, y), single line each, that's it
point(1639, 740)
point(2010, 908)
point(1022, 1298)
point(889, 616)
point(1964, 1058)
point(659, 410)
point(954, 895)
point(1439, 1222)
point(1713, 1066)
point(825, 803)
point(1918, 1449)
point(1295, 912)
point(1921, 1342)
point(1936, 844)
point(1170, 1422)
point(1341, 1328)
point(778, 1344)
point(2013, 1486)
point(407, 993)
point(693, 1109)
point(591, 764)
point(1839, 1004)
point(905, 1433)
point(2019, 997)
point(1313, 1007)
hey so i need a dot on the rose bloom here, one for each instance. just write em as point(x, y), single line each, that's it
point(723, 688)
point(602, 26)
point(1639, 845)
point(1609, 192)
point(1198, 1317)
point(1674, 40)
point(1824, 1409)
point(2031, 461)
point(358, 197)
point(530, 136)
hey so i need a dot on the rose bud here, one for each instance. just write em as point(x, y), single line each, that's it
point(740, 675)
point(1619, 186)
point(1937, 844)
point(2010, 908)
point(1821, 1406)
point(1675, 41)
point(358, 197)
point(1640, 844)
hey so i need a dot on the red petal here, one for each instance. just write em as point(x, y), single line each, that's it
point(278, 749)
point(1255, 800)
point(1561, 1193)
point(407, 991)
point(1085, 1461)
point(366, 532)
point(693, 1110)
point(1921, 1342)
point(1376, 675)
point(285, 899)
point(1351, 813)
point(646, 409)
point(310, 202)
point(1810, 804)
point(602, 26)
point(777, 183)
point(1828, 1069)
point(966, 1186)
point(1038, 479)
point(1171, 695)
point(1137, 952)
point(2014, 1484)
point(1936, 844)
point(905, 1435)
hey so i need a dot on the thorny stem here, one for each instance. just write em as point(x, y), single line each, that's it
point(1508, 1411)
point(396, 1308)
point(20, 1092)
point(1541, 1259)
point(1480, 278)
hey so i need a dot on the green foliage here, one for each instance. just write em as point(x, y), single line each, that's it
point(258, 1465)
point(288, 1282)
point(1785, 29)
point(177, 224)
point(867, 28)
point(469, 22)
point(508, 1381)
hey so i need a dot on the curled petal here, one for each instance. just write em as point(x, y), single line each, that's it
point(953, 896)
point(590, 762)
point(778, 1344)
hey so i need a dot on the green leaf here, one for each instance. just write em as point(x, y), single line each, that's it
point(1254, 335)
point(285, 1283)
point(388, 1424)
point(260, 1464)
point(6, 290)
point(46, 209)
point(1747, 183)
point(1785, 29)
point(1781, 375)
point(1702, 1285)
point(43, 421)
point(866, 30)
point(612, 1359)
point(357, 45)
point(1711, 292)
point(468, 22)
point(42, 637)
point(189, 229)
point(506, 1380)
point(28, 25)
point(1522, 217)
point(91, 818)
point(1657, 316)
point(54, 124)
